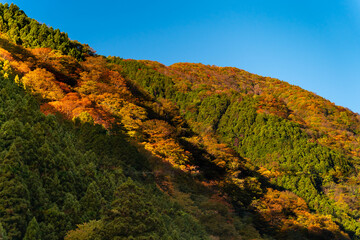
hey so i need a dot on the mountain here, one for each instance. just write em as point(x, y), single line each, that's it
point(96, 147)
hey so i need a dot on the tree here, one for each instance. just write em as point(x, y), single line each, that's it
point(3, 235)
point(43, 82)
point(92, 202)
point(33, 230)
point(14, 202)
point(71, 208)
point(132, 215)
point(85, 231)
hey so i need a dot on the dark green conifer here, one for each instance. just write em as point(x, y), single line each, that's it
point(3, 235)
point(92, 202)
point(33, 230)
point(14, 204)
point(132, 215)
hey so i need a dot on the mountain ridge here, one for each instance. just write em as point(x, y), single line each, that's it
point(235, 154)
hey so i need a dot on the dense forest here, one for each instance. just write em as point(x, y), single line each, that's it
point(96, 147)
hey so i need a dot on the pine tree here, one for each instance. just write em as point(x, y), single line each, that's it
point(14, 202)
point(132, 215)
point(71, 208)
point(33, 231)
point(3, 235)
point(91, 203)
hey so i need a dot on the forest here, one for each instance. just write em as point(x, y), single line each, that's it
point(96, 147)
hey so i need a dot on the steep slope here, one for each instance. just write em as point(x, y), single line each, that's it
point(56, 174)
point(307, 144)
point(94, 100)
point(63, 85)
point(180, 152)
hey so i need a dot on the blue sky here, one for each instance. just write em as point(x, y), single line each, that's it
point(313, 44)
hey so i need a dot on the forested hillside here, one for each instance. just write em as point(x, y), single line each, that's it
point(96, 147)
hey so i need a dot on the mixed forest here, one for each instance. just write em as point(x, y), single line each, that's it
point(95, 147)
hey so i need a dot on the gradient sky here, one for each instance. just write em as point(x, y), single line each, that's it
point(313, 44)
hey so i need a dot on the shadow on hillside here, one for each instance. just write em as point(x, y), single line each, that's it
point(19, 53)
point(199, 194)
point(61, 77)
point(192, 189)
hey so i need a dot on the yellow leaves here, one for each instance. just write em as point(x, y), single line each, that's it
point(132, 117)
point(6, 75)
point(21, 67)
point(276, 205)
point(43, 82)
point(94, 63)
point(84, 117)
point(5, 54)
point(84, 231)
point(271, 105)
point(6, 66)
point(316, 223)
point(158, 129)
point(116, 80)
point(88, 85)
point(267, 173)
point(287, 211)
point(224, 156)
point(17, 80)
point(5, 69)
point(160, 140)
point(168, 150)
point(98, 79)
point(43, 54)
point(110, 102)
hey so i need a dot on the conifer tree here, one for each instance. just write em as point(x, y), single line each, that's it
point(33, 230)
point(14, 202)
point(3, 235)
point(91, 203)
point(132, 216)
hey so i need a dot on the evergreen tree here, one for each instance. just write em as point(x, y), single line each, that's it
point(3, 235)
point(132, 215)
point(33, 230)
point(92, 203)
point(14, 202)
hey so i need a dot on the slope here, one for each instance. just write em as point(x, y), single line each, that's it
point(217, 156)
point(309, 145)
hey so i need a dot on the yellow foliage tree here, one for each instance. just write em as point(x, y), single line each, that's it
point(132, 118)
point(43, 82)
point(84, 231)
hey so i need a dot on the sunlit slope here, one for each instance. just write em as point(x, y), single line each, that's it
point(275, 125)
point(179, 152)
point(96, 90)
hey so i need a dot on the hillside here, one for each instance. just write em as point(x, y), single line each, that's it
point(96, 147)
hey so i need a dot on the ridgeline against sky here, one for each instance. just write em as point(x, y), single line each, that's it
point(95, 147)
point(312, 44)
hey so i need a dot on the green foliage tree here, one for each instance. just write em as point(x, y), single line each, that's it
point(92, 202)
point(14, 202)
point(3, 235)
point(29, 33)
point(33, 231)
point(131, 215)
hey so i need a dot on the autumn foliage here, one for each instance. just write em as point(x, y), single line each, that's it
point(127, 149)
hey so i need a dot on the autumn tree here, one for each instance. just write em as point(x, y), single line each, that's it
point(43, 82)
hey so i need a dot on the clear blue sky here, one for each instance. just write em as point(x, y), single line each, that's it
point(314, 44)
